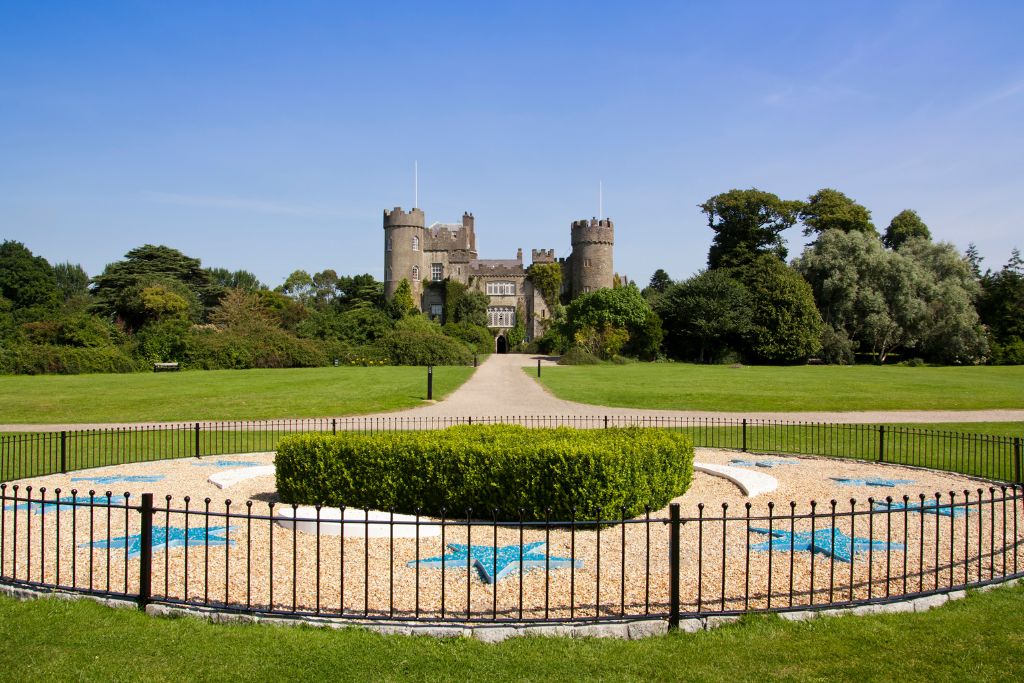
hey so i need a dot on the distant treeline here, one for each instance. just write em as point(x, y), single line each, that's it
point(853, 295)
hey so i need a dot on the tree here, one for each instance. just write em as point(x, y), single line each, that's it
point(235, 279)
point(829, 209)
point(974, 258)
point(660, 281)
point(358, 290)
point(118, 289)
point(624, 308)
point(401, 304)
point(464, 305)
point(325, 287)
point(747, 223)
point(298, 285)
point(785, 326)
point(705, 316)
point(72, 280)
point(904, 226)
point(26, 280)
point(1001, 307)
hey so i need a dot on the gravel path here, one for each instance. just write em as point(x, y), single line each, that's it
point(500, 388)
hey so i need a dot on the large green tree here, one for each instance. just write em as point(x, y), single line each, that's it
point(705, 316)
point(72, 280)
point(785, 326)
point(1001, 307)
point(119, 290)
point(829, 209)
point(747, 223)
point(26, 280)
point(906, 225)
point(606, 310)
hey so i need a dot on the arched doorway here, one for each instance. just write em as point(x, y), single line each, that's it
point(502, 344)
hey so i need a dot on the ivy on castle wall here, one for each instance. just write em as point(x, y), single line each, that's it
point(547, 278)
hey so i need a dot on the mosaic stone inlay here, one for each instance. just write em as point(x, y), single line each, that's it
point(495, 563)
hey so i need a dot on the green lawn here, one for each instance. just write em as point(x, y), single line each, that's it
point(978, 638)
point(679, 386)
point(219, 394)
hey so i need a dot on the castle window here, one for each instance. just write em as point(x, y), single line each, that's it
point(435, 310)
point(415, 273)
point(586, 263)
point(436, 271)
point(389, 278)
point(415, 243)
point(388, 247)
point(586, 289)
point(501, 316)
point(501, 288)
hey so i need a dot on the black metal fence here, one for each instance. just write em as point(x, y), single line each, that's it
point(990, 457)
point(714, 561)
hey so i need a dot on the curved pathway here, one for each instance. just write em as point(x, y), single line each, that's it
point(500, 388)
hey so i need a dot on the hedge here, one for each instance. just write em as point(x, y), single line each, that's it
point(486, 468)
point(42, 359)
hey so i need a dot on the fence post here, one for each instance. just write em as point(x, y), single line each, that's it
point(744, 435)
point(881, 443)
point(1016, 458)
point(64, 452)
point(673, 566)
point(197, 440)
point(606, 422)
point(430, 382)
point(146, 558)
point(538, 367)
point(474, 360)
point(334, 426)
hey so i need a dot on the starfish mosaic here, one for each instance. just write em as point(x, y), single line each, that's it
point(227, 463)
point(165, 538)
point(930, 507)
point(122, 478)
point(38, 506)
point(888, 483)
point(841, 547)
point(768, 464)
point(495, 563)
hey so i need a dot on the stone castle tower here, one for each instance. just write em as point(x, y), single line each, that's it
point(428, 255)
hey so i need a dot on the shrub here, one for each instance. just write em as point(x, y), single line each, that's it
point(479, 339)
point(43, 359)
point(578, 355)
point(424, 347)
point(506, 468)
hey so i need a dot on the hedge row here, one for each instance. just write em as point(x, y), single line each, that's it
point(507, 468)
point(47, 359)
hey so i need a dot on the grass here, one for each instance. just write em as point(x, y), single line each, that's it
point(977, 638)
point(219, 394)
point(679, 386)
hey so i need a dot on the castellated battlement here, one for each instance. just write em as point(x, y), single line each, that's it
point(593, 231)
point(398, 218)
point(542, 255)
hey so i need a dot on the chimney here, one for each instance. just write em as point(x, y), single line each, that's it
point(519, 254)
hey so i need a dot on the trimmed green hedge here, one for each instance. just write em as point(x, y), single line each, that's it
point(483, 468)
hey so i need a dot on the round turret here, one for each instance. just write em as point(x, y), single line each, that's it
point(592, 245)
point(404, 240)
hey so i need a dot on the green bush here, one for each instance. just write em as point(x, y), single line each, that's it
point(274, 348)
point(424, 347)
point(479, 339)
point(507, 468)
point(46, 359)
point(578, 355)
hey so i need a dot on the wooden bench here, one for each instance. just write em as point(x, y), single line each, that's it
point(166, 367)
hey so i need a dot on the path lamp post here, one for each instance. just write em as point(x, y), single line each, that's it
point(430, 382)
point(538, 367)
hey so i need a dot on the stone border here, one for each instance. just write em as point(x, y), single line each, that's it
point(623, 630)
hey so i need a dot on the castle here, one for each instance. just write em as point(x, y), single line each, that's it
point(425, 255)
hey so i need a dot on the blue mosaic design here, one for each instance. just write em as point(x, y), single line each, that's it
point(173, 538)
point(930, 507)
point(887, 483)
point(502, 561)
point(227, 463)
point(51, 505)
point(767, 464)
point(821, 541)
point(122, 478)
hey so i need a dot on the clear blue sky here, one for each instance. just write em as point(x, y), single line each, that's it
point(270, 136)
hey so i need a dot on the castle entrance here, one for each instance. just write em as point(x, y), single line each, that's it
point(502, 344)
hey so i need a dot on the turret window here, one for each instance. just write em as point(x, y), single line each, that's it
point(436, 272)
point(388, 244)
point(501, 288)
point(415, 243)
point(415, 273)
point(586, 263)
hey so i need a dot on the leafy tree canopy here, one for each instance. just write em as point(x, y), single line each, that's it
point(785, 326)
point(72, 280)
point(660, 281)
point(747, 223)
point(235, 279)
point(622, 308)
point(906, 225)
point(26, 280)
point(829, 209)
point(705, 316)
point(401, 304)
